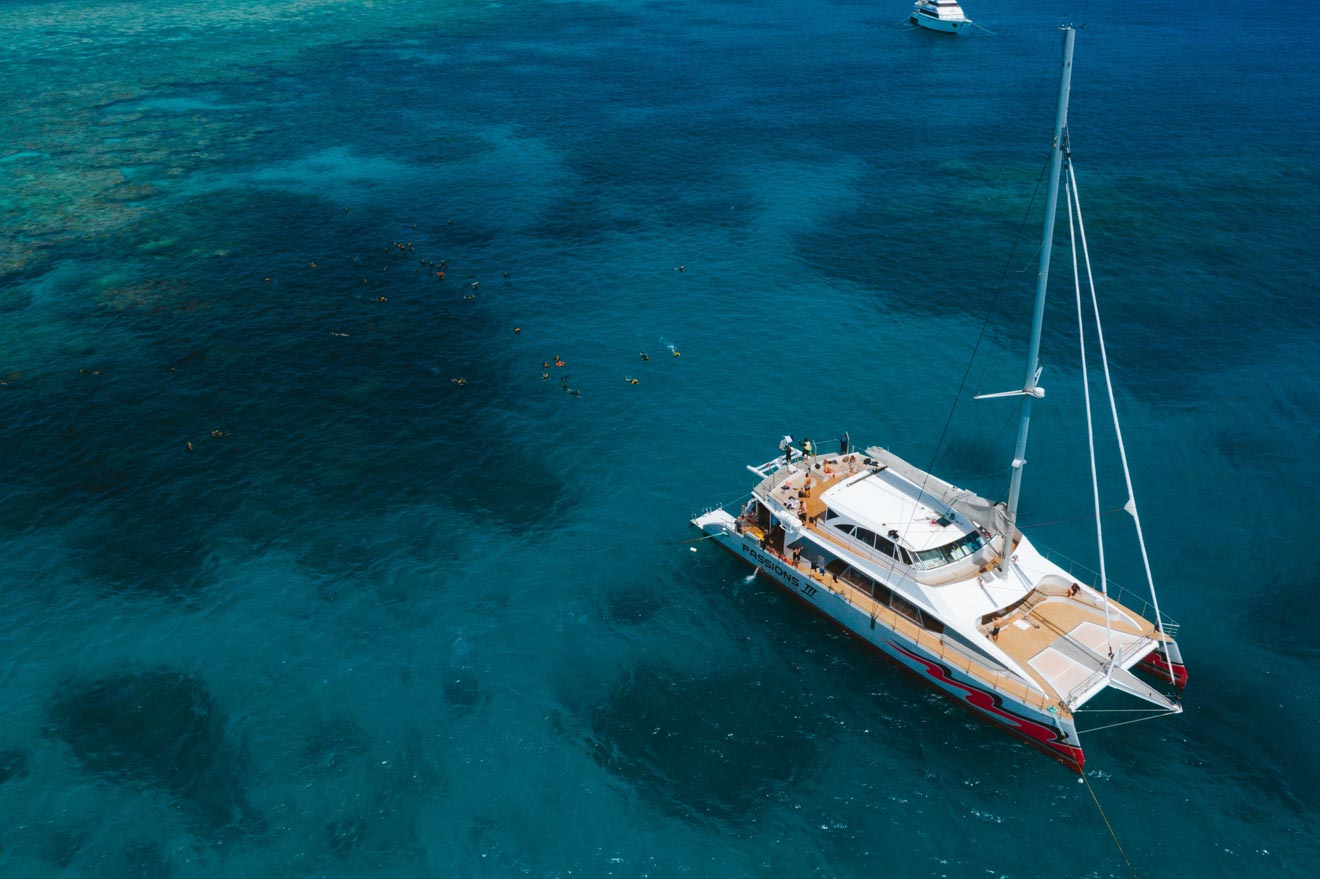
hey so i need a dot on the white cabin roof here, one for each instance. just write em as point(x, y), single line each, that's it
point(884, 501)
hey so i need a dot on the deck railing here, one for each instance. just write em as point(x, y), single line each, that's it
point(950, 652)
point(1122, 595)
point(1120, 659)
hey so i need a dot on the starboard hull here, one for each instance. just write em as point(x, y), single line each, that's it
point(1051, 734)
point(1154, 663)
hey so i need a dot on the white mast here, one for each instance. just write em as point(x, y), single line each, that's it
point(1030, 390)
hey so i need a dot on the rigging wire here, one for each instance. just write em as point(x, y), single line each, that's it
point(1026, 215)
point(1086, 396)
point(1131, 505)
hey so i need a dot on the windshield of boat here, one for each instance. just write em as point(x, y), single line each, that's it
point(940, 556)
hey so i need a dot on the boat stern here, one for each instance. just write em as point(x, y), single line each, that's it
point(715, 521)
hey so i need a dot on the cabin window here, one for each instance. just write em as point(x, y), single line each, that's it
point(960, 548)
point(965, 546)
point(854, 577)
point(905, 607)
point(886, 546)
point(881, 543)
point(914, 613)
point(830, 514)
point(885, 596)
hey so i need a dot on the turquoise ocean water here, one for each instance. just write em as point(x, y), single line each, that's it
point(282, 598)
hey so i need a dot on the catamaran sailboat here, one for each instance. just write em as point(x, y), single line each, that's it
point(940, 15)
point(942, 580)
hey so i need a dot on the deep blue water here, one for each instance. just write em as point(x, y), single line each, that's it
point(282, 598)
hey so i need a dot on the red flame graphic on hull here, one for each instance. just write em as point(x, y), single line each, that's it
point(1155, 663)
point(1048, 739)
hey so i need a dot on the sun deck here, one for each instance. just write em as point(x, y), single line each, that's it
point(1059, 635)
point(874, 496)
point(884, 500)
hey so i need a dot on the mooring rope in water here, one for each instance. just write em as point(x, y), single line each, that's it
point(693, 540)
point(1112, 834)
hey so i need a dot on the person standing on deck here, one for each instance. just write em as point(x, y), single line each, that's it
point(844, 442)
point(786, 446)
point(808, 451)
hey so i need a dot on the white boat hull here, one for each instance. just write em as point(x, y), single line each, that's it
point(943, 25)
point(1055, 735)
